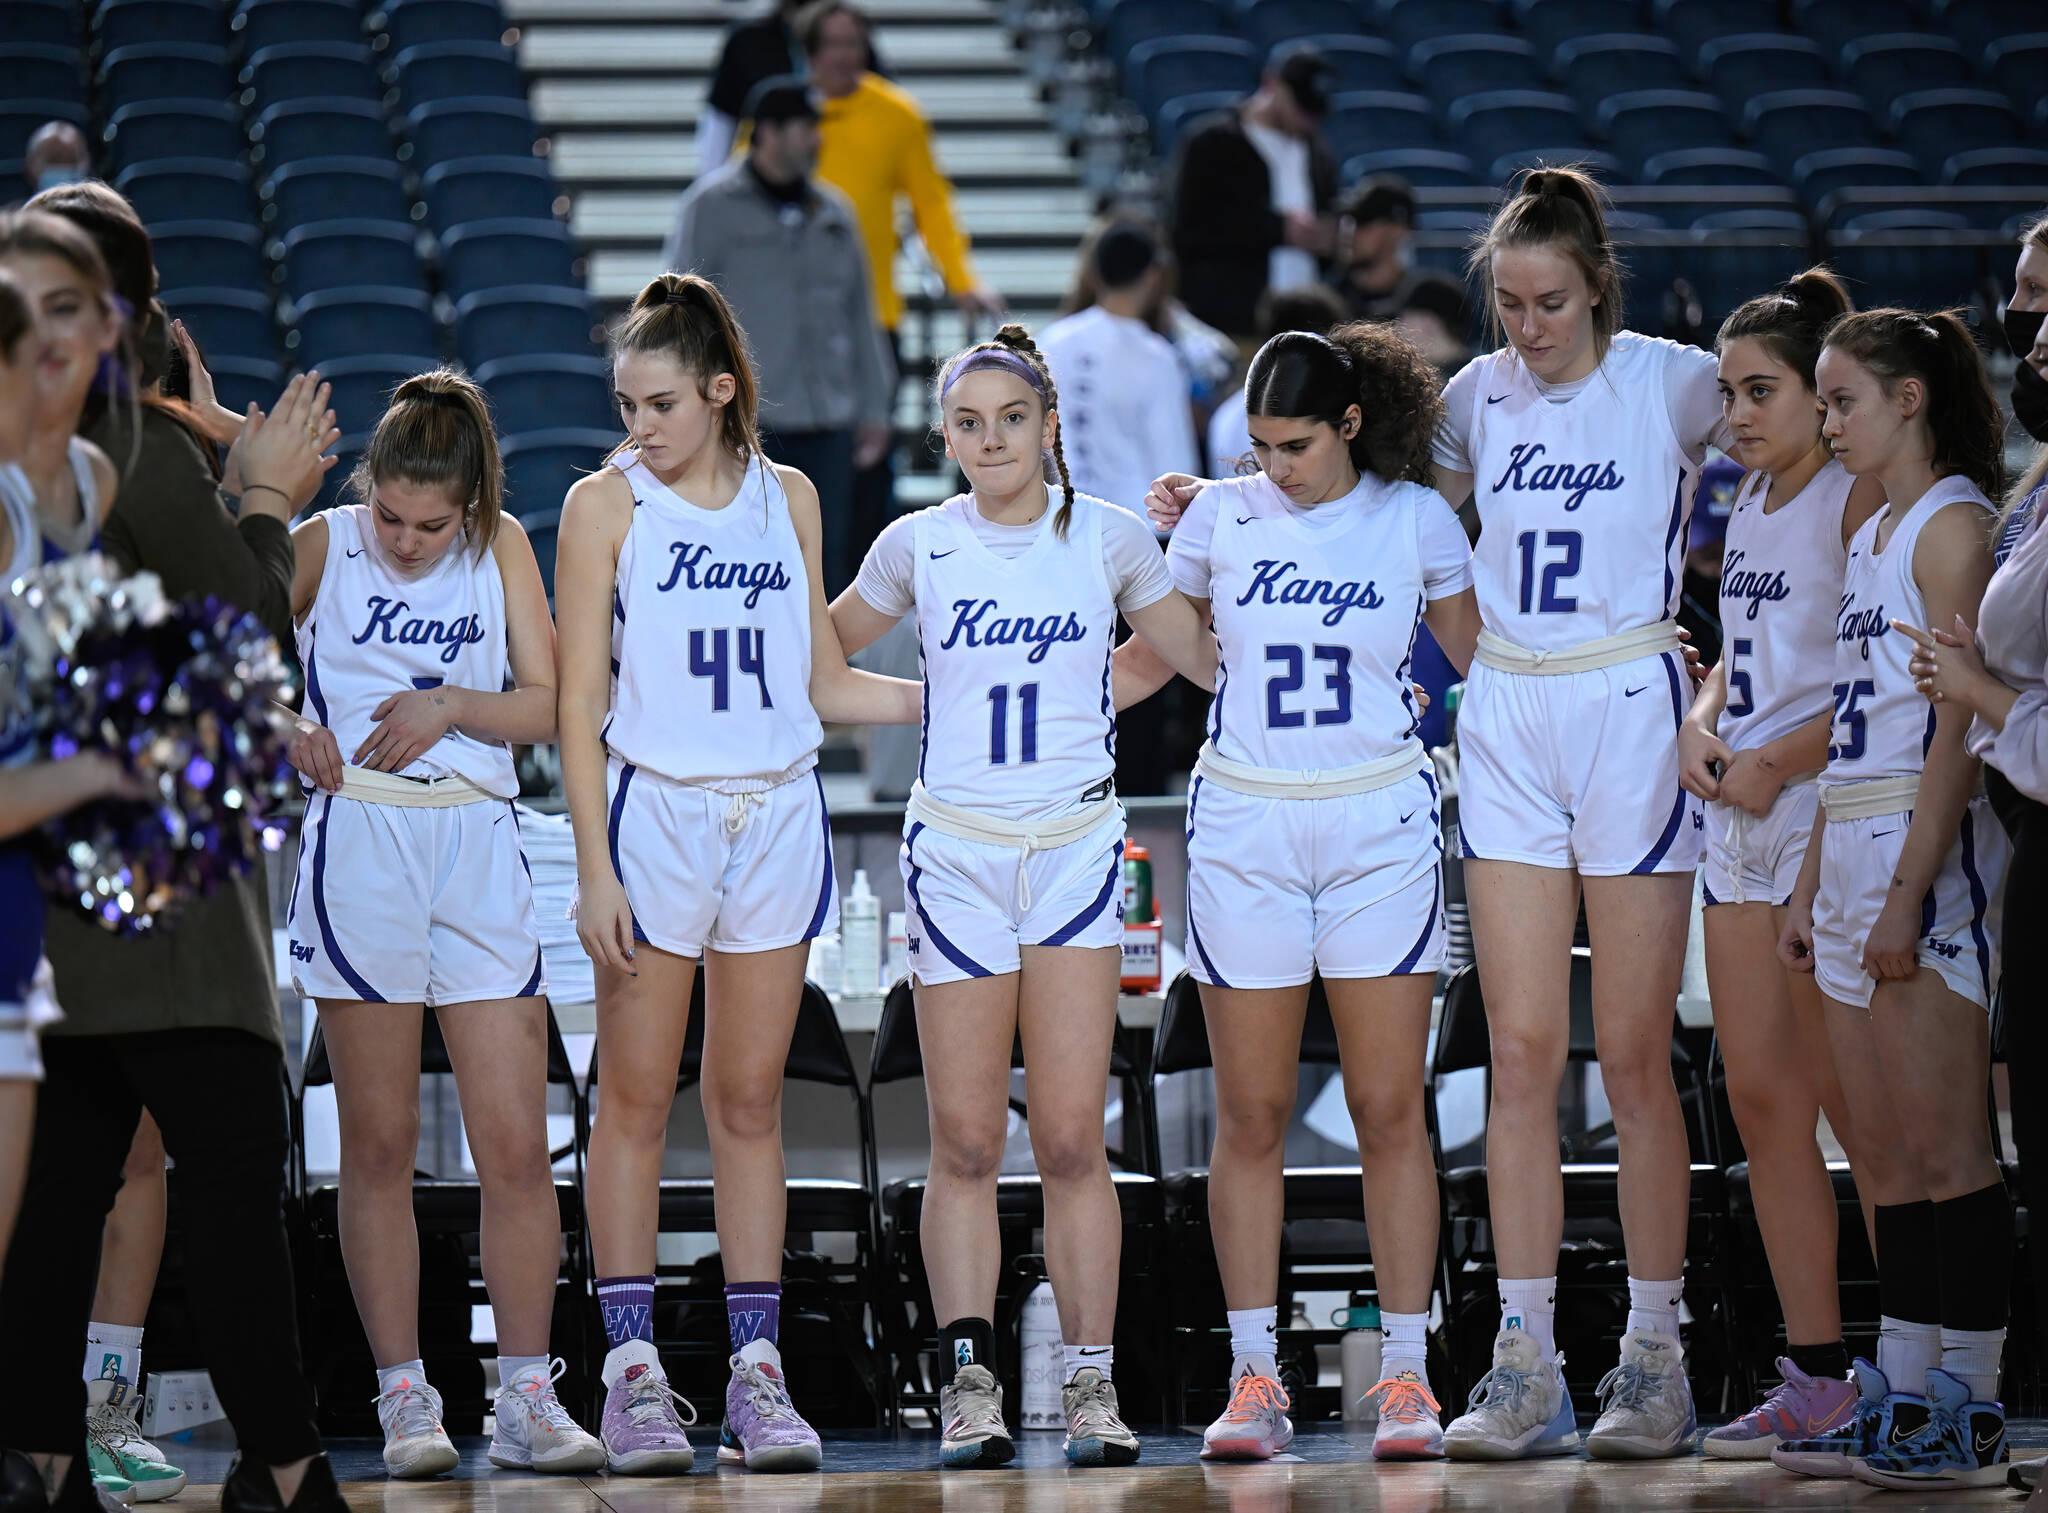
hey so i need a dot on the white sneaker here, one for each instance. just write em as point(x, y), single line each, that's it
point(535, 1432)
point(1519, 1409)
point(1409, 1427)
point(415, 1444)
point(1646, 1402)
point(110, 1427)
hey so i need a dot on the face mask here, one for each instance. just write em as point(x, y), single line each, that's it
point(2029, 388)
point(58, 173)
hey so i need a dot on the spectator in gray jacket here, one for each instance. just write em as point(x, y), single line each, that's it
point(785, 250)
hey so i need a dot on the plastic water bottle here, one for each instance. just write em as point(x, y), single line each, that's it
point(897, 966)
point(860, 939)
point(1358, 1360)
point(1042, 1359)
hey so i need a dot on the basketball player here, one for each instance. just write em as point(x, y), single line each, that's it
point(1895, 910)
point(1314, 844)
point(423, 628)
point(1011, 863)
point(697, 663)
point(1750, 747)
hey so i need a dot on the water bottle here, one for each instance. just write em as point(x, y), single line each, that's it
point(860, 939)
point(1358, 1359)
point(1042, 1360)
point(897, 966)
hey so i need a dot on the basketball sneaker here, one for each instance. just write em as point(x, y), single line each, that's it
point(1646, 1408)
point(1095, 1435)
point(971, 1408)
point(642, 1432)
point(415, 1444)
point(1519, 1409)
point(110, 1428)
point(1409, 1427)
point(1962, 1444)
point(762, 1428)
point(1881, 1417)
point(534, 1432)
point(1802, 1407)
point(1254, 1425)
point(107, 1479)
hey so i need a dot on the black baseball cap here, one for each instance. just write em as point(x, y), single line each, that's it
point(781, 97)
point(1305, 70)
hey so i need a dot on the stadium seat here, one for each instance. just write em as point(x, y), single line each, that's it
point(323, 127)
point(363, 385)
point(1408, 22)
point(1979, 23)
point(1786, 124)
point(2019, 66)
point(474, 189)
point(1916, 206)
point(1267, 23)
point(326, 189)
point(1131, 22)
point(540, 466)
point(1921, 270)
point(1604, 166)
point(1612, 63)
point(438, 70)
point(226, 322)
point(1448, 68)
point(258, 24)
point(1485, 126)
point(1374, 120)
point(1919, 218)
point(542, 390)
point(1424, 167)
point(305, 70)
point(1176, 117)
point(1728, 264)
point(1361, 62)
point(209, 255)
point(1642, 123)
point(334, 254)
point(1694, 23)
point(490, 254)
point(1997, 165)
point(239, 382)
point(1936, 124)
point(1836, 23)
point(1883, 67)
point(1550, 23)
point(22, 119)
point(357, 320)
point(1748, 63)
point(42, 23)
point(1790, 222)
point(413, 23)
point(1709, 165)
point(161, 71)
point(138, 23)
point(1816, 175)
point(524, 318)
point(469, 127)
point(152, 130)
point(204, 189)
point(1167, 67)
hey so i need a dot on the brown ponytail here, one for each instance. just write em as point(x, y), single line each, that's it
point(1962, 415)
point(1564, 208)
point(684, 317)
point(437, 433)
point(1016, 340)
point(1792, 322)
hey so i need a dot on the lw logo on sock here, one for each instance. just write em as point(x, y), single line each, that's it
point(963, 1353)
point(747, 1322)
point(628, 1321)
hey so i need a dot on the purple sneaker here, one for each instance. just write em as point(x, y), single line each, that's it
point(643, 1436)
point(1803, 1407)
point(761, 1427)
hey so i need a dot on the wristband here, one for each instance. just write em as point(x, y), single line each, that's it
point(248, 489)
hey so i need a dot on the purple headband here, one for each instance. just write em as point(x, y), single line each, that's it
point(994, 357)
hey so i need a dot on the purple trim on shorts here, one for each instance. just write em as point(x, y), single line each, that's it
point(348, 973)
point(1195, 935)
point(1649, 863)
point(626, 771)
point(1079, 922)
point(817, 924)
point(1414, 955)
point(947, 949)
point(1978, 902)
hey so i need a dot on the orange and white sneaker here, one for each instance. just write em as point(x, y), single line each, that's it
point(1254, 1425)
point(1410, 1427)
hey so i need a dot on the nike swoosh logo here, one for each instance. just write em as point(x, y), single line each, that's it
point(1243, 519)
point(1986, 1448)
point(1096, 1350)
point(1878, 835)
point(947, 553)
point(1630, 693)
point(1496, 399)
point(1408, 816)
point(357, 552)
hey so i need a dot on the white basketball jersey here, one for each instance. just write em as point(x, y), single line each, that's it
point(1582, 502)
point(1781, 582)
point(372, 632)
point(1315, 627)
point(1018, 721)
point(1882, 723)
point(711, 635)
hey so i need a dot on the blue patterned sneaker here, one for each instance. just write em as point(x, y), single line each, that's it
point(1882, 1417)
point(1645, 1402)
point(1962, 1444)
point(1519, 1409)
point(762, 1428)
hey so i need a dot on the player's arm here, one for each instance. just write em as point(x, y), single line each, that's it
point(1181, 637)
point(309, 563)
point(1795, 938)
point(841, 694)
point(1136, 671)
point(39, 791)
point(1454, 621)
point(1456, 487)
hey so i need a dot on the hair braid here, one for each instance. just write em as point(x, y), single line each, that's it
point(1014, 338)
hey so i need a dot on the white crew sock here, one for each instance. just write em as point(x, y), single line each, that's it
point(1101, 1357)
point(1404, 1343)
point(1254, 1335)
point(114, 1351)
point(1530, 1304)
point(1654, 1305)
point(512, 1367)
point(1906, 1352)
point(1973, 1355)
point(404, 1374)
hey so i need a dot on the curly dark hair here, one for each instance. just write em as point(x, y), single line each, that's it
point(1398, 391)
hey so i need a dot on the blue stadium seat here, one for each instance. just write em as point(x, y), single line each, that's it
point(334, 254)
point(413, 23)
point(1177, 117)
point(138, 23)
point(1748, 63)
point(305, 70)
point(1424, 167)
point(239, 382)
point(1916, 206)
point(209, 255)
point(1936, 124)
point(1729, 265)
point(258, 24)
point(438, 70)
point(540, 466)
point(1500, 121)
point(22, 119)
point(164, 71)
point(1131, 22)
point(1361, 62)
point(2019, 66)
point(363, 385)
point(1642, 123)
point(1694, 23)
point(1751, 218)
point(1408, 22)
point(491, 254)
point(1922, 270)
point(323, 127)
point(1997, 165)
point(1918, 218)
point(1604, 166)
point(1836, 23)
point(475, 189)
point(1550, 23)
point(357, 320)
point(1816, 175)
point(544, 390)
point(42, 23)
point(204, 189)
point(1611, 63)
point(1979, 23)
point(1378, 120)
point(510, 322)
point(333, 488)
point(1165, 67)
point(328, 189)
point(1447, 68)
point(469, 127)
point(1786, 124)
point(1881, 68)
point(1709, 165)
point(151, 130)
point(226, 322)
point(1267, 23)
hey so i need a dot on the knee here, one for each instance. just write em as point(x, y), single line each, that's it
point(965, 1154)
point(1638, 1086)
point(1527, 1069)
point(1069, 1158)
point(1388, 1120)
point(745, 1108)
point(633, 1114)
point(381, 1151)
point(512, 1157)
point(1768, 1110)
point(1254, 1127)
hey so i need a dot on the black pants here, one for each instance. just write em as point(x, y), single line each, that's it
point(219, 1097)
point(2023, 976)
point(874, 487)
point(826, 458)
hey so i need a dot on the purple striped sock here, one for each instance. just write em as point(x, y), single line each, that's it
point(628, 1305)
point(753, 1311)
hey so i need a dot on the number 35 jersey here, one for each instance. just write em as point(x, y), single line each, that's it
point(711, 636)
point(1316, 611)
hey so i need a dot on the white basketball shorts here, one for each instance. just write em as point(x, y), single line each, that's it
point(21, 1055)
point(1751, 860)
point(705, 869)
point(396, 905)
point(1959, 917)
point(1577, 769)
point(1279, 889)
point(965, 919)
